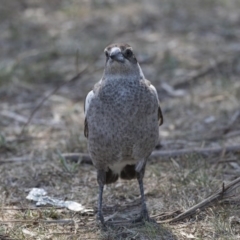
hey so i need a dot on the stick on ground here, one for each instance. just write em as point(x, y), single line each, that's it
point(220, 194)
point(85, 158)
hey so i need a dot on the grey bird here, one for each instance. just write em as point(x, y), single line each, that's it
point(122, 119)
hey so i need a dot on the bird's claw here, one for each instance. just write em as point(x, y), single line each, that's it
point(100, 220)
point(144, 217)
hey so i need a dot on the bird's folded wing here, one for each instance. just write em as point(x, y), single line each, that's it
point(160, 116)
point(87, 102)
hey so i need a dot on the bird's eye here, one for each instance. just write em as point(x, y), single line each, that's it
point(128, 52)
point(106, 54)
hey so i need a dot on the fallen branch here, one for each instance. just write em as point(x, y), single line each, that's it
point(85, 158)
point(201, 151)
point(219, 195)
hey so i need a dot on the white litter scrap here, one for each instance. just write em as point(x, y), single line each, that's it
point(40, 196)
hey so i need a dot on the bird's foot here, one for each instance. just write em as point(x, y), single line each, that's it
point(144, 217)
point(100, 221)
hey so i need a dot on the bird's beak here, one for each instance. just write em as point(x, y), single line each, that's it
point(116, 54)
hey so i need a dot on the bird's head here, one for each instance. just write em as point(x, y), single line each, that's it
point(120, 60)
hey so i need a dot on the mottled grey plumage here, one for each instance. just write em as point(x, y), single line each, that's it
point(122, 120)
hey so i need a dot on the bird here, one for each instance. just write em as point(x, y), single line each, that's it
point(122, 119)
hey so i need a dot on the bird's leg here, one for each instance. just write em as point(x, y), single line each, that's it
point(101, 178)
point(144, 212)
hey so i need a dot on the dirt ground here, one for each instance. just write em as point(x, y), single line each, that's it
point(189, 49)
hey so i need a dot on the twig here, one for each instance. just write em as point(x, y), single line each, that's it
point(167, 215)
point(75, 157)
point(23, 139)
point(203, 72)
point(13, 115)
point(28, 208)
point(232, 134)
point(229, 160)
point(76, 77)
point(19, 118)
point(6, 237)
point(216, 134)
point(231, 200)
point(220, 194)
point(60, 221)
point(16, 159)
point(232, 121)
point(77, 61)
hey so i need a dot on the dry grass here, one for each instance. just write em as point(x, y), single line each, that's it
point(173, 40)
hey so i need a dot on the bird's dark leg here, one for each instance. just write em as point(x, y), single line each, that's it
point(101, 178)
point(144, 211)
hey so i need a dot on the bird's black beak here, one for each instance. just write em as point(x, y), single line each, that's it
point(116, 54)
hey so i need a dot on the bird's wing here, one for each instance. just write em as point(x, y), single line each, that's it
point(160, 116)
point(87, 102)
